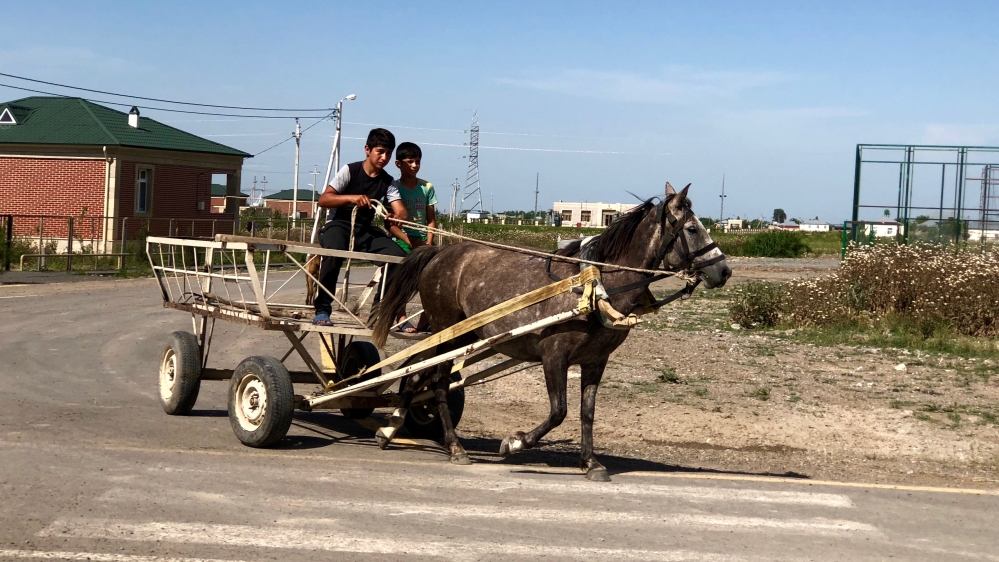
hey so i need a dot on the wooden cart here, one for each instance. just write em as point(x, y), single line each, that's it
point(236, 279)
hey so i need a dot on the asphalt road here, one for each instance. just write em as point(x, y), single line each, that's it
point(92, 469)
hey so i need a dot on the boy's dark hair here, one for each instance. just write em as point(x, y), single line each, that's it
point(381, 137)
point(408, 150)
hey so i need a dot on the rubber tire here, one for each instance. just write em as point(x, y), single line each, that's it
point(357, 355)
point(187, 374)
point(423, 421)
point(280, 404)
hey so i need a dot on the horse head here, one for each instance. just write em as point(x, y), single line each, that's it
point(686, 244)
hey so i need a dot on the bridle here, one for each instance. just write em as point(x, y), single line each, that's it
point(670, 237)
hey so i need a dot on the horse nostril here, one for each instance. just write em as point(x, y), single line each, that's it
point(727, 272)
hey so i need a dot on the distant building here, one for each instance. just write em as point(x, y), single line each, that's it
point(590, 214)
point(219, 198)
point(814, 226)
point(68, 157)
point(884, 229)
point(282, 202)
point(784, 226)
point(731, 224)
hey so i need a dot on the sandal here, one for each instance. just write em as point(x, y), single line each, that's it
point(322, 319)
point(406, 328)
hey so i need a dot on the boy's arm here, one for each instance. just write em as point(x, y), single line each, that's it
point(432, 223)
point(399, 233)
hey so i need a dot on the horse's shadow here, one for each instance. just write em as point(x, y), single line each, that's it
point(315, 430)
point(548, 454)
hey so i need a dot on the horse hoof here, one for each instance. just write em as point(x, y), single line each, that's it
point(510, 445)
point(461, 459)
point(598, 475)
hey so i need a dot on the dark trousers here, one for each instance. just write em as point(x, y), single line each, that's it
point(335, 235)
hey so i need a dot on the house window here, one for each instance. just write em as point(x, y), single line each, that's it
point(567, 215)
point(584, 216)
point(143, 190)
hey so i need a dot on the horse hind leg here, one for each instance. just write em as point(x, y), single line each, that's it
point(556, 373)
point(386, 434)
point(590, 379)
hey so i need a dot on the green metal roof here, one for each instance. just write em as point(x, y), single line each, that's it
point(218, 190)
point(288, 195)
point(75, 121)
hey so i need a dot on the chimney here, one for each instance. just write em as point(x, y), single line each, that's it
point(133, 118)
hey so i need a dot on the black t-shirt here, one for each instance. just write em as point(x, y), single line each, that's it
point(353, 180)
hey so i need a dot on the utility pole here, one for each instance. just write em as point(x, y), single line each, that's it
point(253, 192)
point(315, 172)
point(263, 190)
point(537, 179)
point(454, 197)
point(294, 196)
point(491, 208)
point(721, 216)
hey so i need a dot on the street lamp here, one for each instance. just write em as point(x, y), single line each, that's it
point(334, 162)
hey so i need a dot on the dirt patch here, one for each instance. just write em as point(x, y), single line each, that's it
point(687, 389)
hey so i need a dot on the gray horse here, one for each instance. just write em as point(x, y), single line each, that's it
point(458, 281)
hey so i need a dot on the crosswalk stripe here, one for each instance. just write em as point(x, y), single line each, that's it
point(816, 525)
point(342, 541)
point(688, 493)
point(98, 557)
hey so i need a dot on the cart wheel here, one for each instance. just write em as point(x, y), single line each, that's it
point(180, 374)
point(261, 401)
point(358, 355)
point(423, 420)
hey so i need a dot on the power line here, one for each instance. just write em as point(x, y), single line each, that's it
point(484, 147)
point(155, 108)
point(158, 99)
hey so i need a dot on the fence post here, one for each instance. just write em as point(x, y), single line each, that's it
point(69, 246)
point(41, 242)
point(10, 242)
point(124, 243)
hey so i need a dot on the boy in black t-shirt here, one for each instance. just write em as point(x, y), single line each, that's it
point(356, 185)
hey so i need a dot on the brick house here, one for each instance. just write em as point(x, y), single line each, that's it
point(282, 201)
point(219, 198)
point(114, 172)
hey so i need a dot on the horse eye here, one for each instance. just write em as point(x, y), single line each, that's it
point(691, 228)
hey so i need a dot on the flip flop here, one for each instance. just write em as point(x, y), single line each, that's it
point(406, 328)
point(322, 319)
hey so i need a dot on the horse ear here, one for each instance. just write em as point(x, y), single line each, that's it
point(669, 190)
point(675, 202)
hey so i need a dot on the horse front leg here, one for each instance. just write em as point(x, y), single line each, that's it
point(588, 382)
point(556, 373)
point(442, 384)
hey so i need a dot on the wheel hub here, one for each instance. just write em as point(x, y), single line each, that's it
point(168, 374)
point(251, 400)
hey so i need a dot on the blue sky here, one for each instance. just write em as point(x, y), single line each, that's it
point(608, 97)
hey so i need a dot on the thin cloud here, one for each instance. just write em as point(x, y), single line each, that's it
point(966, 135)
point(674, 85)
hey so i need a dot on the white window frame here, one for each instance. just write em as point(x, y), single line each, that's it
point(148, 180)
point(564, 219)
point(585, 216)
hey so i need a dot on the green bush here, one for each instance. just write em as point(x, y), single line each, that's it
point(775, 244)
point(758, 304)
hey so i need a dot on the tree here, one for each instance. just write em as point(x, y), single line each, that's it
point(707, 222)
point(779, 215)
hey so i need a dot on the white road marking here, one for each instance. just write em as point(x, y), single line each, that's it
point(17, 296)
point(687, 493)
point(816, 525)
point(339, 541)
point(98, 557)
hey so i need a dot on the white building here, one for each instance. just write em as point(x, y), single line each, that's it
point(590, 214)
point(731, 224)
point(885, 229)
point(814, 226)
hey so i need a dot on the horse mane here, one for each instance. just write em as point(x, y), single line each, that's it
point(613, 242)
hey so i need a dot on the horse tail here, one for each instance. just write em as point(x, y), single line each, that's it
point(402, 286)
point(311, 288)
